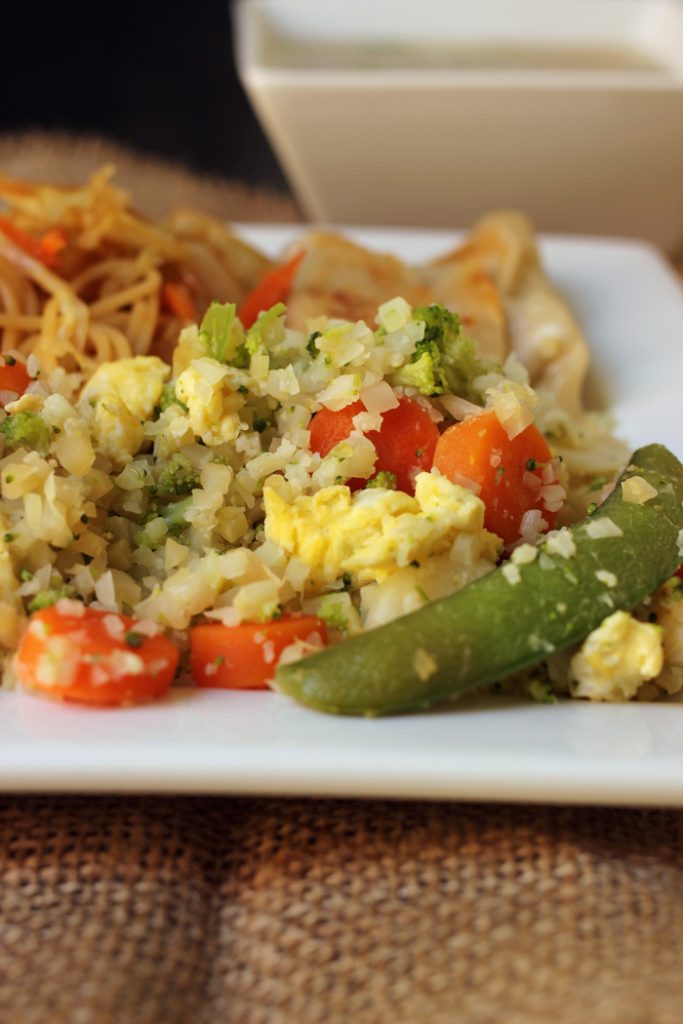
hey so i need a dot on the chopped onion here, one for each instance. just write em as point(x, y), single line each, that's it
point(469, 485)
point(459, 408)
point(378, 398)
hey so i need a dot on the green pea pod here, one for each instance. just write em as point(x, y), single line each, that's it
point(510, 618)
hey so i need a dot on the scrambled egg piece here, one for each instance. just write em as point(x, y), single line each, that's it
point(213, 410)
point(115, 430)
point(374, 532)
point(137, 382)
point(617, 658)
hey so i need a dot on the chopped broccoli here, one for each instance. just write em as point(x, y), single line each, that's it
point(271, 611)
point(445, 359)
point(174, 516)
point(541, 691)
point(332, 613)
point(26, 428)
point(168, 397)
point(45, 598)
point(177, 477)
point(383, 479)
point(424, 371)
point(221, 332)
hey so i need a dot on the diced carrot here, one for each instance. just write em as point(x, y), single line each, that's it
point(405, 443)
point(244, 657)
point(274, 287)
point(507, 470)
point(177, 298)
point(46, 248)
point(51, 244)
point(91, 656)
point(13, 375)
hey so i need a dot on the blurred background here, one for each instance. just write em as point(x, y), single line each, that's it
point(156, 76)
point(384, 111)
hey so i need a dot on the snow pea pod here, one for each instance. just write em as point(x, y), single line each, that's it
point(515, 616)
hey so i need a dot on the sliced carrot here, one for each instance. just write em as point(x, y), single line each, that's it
point(405, 443)
point(244, 657)
point(177, 298)
point(91, 656)
point(13, 375)
point(46, 248)
point(507, 470)
point(274, 287)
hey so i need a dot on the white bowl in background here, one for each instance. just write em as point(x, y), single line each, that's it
point(431, 112)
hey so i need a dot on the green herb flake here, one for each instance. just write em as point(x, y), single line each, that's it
point(48, 597)
point(311, 346)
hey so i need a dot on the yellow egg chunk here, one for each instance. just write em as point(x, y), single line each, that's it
point(374, 532)
point(117, 433)
point(616, 658)
point(213, 409)
point(137, 382)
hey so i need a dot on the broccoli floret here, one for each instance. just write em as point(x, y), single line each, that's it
point(173, 515)
point(383, 479)
point(424, 372)
point(168, 397)
point(177, 477)
point(332, 614)
point(445, 359)
point(45, 598)
point(26, 428)
point(221, 332)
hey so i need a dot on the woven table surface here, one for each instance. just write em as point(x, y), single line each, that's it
point(261, 911)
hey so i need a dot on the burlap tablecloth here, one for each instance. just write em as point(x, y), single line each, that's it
point(204, 911)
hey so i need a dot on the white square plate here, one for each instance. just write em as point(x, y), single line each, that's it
point(204, 741)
